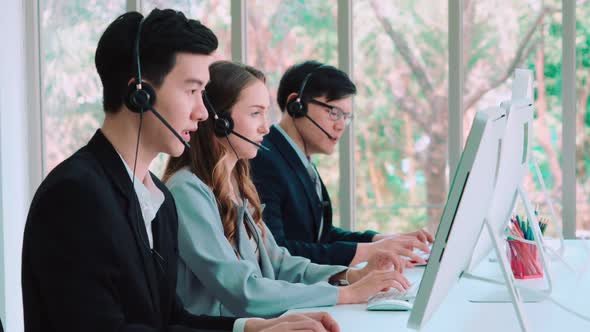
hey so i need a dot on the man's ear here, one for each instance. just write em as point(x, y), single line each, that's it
point(292, 96)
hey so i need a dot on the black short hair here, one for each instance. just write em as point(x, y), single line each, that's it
point(326, 80)
point(164, 34)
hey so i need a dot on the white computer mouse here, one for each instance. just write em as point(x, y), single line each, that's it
point(389, 305)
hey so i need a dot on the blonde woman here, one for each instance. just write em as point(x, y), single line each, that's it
point(229, 261)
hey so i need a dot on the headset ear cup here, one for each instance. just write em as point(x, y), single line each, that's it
point(140, 99)
point(296, 109)
point(223, 125)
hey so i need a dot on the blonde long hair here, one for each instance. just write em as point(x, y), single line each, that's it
point(206, 157)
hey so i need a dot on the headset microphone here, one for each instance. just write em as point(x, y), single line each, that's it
point(185, 143)
point(223, 124)
point(260, 146)
point(320, 127)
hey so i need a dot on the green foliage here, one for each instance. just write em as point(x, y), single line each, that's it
point(72, 90)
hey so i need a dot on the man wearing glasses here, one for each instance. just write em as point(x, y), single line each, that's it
point(316, 102)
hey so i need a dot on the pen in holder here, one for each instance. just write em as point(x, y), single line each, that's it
point(524, 260)
point(522, 250)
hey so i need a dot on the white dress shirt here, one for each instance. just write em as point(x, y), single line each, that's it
point(150, 199)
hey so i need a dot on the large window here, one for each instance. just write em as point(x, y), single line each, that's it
point(400, 61)
point(401, 113)
point(283, 33)
point(583, 120)
point(526, 35)
point(71, 89)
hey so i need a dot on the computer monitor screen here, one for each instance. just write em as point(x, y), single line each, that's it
point(514, 158)
point(467, 205)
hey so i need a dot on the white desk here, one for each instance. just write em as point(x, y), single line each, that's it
point(458, 314)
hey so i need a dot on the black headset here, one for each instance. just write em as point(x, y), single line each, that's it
point(140, 95)
point(223, 124)
point(140, 98)
point(298, 108)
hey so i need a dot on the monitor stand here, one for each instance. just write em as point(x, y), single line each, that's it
point(559, 254)
point(514, 293)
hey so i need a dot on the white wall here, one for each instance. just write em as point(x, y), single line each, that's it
point(14, 170)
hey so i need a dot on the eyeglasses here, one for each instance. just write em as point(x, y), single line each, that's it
point(335, 112)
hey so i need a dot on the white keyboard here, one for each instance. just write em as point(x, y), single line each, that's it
point(414, 276)
point(394, 294)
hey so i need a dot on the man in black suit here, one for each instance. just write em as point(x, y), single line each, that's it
point(100, 244)
point(316, 101)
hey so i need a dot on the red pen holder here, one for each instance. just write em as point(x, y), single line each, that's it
point(524, 260)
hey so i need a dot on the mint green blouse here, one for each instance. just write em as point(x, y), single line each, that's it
point(265, 281)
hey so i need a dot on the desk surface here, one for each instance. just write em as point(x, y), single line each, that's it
point(571, 288)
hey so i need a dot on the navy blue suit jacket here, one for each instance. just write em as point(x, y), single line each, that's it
point(293, 209)
point(86, 263)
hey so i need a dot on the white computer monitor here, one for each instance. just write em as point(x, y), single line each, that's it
point(513, 166)
point(513, 161)
point(467, 204)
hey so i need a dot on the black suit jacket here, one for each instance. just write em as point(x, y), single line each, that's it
point(86, 263)
point(293, 208)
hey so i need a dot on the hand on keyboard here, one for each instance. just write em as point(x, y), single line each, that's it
point(380, 261)
point(383, 260)
point(396, 294)
point(403, 246)
point(370, 285)
point(423, 255)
